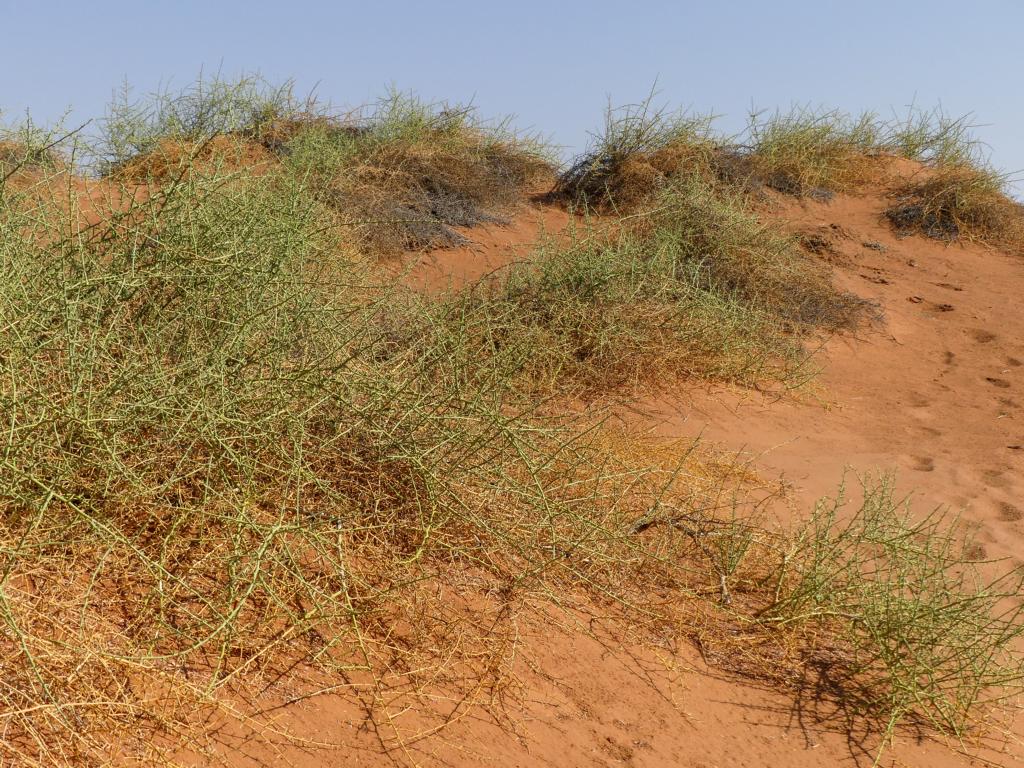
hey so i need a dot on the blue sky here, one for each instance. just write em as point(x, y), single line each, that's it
point(551, 64)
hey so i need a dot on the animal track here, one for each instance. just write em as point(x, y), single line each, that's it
point(976, 551)
point(996, 382)
point(924, 464)
point(1009, 513)
point(917, 400)
point(995, 478)
point(982, 336)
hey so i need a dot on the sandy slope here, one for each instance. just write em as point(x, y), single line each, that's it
point(934, 393)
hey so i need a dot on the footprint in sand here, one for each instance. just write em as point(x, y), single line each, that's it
point(976, 551)
point(1009, 513)
point(995, 478)
point(996, 382)
point(1013, 362)
point(924, 464)
point(917, 400)
point(982, 336)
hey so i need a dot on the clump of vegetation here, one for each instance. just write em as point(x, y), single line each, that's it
point(741, 256)
point(914, 631)
point(733, 298)
point(803, 152)
point(400, 175)
point(248, 107)
point(817, 152)
point(700, 288)
point(412, 171)
point(958, 193)
point(959, 200)
point(880, 612)
point(640, 150)
point(814, 153)
point(601, 314)
point(216, 456)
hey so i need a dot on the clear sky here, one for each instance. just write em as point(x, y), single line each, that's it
point(552, 64)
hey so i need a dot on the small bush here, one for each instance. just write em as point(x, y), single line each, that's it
point(411, 171)
point(639, 150)
point(604, 314)
point(959, 201)
point(191, 116)
point(698, 288)
point(814, 153)
point(913, 630)
point(740, 256)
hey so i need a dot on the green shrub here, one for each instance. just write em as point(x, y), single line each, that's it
point(914, 631)
point(813, 152)
point(698, 288)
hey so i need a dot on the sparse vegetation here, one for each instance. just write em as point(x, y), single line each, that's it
point(232, 450)
point(933, 137)
point(879, 611)
point(803, 152)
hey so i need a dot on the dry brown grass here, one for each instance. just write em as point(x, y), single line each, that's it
point(639, 150)
point(407, 173)
point(959, 201)
point(802, 153)
point(626, 183)
point(816, 153)
point(400, 176)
